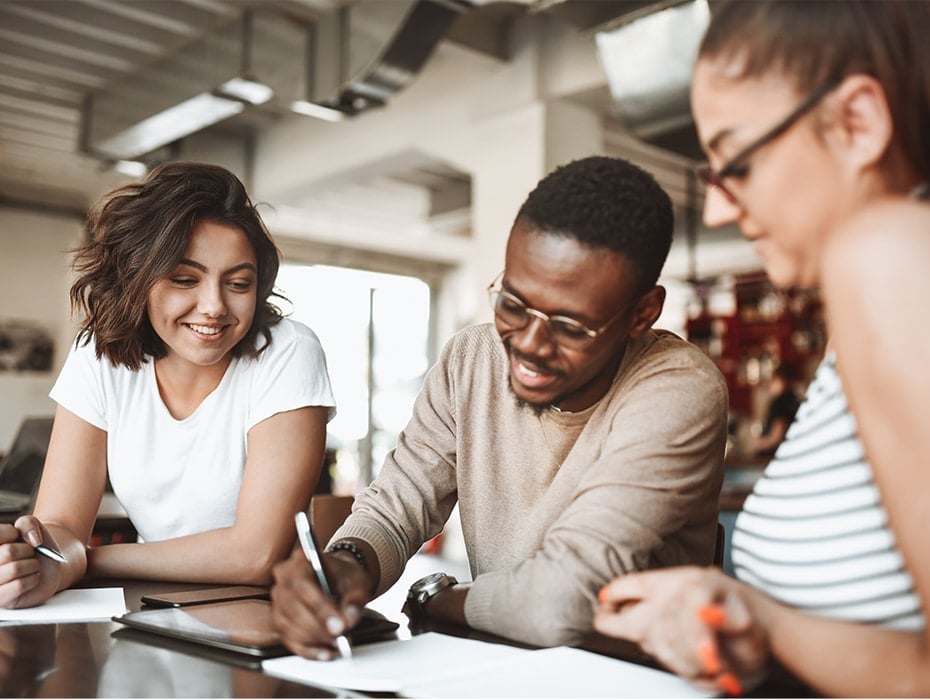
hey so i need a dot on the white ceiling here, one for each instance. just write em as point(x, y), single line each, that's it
point(53, 53)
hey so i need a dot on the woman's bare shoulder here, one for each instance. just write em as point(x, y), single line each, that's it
point(878, 239)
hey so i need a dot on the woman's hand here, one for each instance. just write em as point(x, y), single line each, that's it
point(697, 622)
point(26, 577)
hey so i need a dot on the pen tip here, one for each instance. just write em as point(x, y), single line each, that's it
point(345, 649)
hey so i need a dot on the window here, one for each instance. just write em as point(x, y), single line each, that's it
point(375, 330)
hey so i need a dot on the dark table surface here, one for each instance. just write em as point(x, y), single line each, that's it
point(107, 659)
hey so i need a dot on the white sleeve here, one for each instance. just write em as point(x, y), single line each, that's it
point(79, 386)
point(291, 374)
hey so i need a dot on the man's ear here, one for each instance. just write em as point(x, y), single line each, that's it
point(866, 125)
point(647, 310)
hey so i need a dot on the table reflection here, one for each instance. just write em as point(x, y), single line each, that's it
point(47, 661)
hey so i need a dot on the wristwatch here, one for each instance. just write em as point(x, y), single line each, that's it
point(424, 589)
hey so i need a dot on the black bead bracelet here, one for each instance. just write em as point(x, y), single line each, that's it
point(351, 548)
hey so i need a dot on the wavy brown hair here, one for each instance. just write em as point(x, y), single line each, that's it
point(136, 234)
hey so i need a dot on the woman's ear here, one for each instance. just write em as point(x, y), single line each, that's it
point(864, 121)
point(647, 310)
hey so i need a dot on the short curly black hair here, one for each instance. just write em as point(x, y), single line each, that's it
point(606, 203)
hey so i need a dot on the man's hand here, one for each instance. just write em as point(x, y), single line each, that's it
point(308, 620)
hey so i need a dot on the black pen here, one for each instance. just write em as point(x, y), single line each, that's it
point(305, 535)
point(52, 554)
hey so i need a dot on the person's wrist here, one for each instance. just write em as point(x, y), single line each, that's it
point(422, 592)
point(349, 550)
point(358, 559)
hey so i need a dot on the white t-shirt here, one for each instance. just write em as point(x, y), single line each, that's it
point(179, 477)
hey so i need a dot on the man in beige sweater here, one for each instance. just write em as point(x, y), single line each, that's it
point(579, 443)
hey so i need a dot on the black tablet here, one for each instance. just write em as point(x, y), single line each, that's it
point(242, 626)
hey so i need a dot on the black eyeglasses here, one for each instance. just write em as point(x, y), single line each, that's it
point(738, 166)
point(563, 330)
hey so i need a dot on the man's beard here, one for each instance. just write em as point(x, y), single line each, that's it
point(537, 408)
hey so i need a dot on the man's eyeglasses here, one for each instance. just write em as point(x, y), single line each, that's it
point(563, 330)
point(738, 166)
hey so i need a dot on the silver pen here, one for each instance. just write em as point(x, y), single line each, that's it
point(307, 543)
point(52, 554)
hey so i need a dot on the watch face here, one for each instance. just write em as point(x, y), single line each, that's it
point(429, 580)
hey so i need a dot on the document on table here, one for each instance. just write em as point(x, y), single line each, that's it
point(561, 672)
point(72, 605)
point(441, 666)
point(387, 666)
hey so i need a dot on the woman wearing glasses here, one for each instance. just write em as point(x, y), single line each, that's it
point(830, 550)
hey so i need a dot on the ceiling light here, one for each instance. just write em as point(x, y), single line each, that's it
point(167, 126)
point(248, 90)
point(132, 168)
point(314, 109)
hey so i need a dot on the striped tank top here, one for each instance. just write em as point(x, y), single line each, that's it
point(814, 534)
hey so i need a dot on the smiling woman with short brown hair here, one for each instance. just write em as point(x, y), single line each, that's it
point(205, 409)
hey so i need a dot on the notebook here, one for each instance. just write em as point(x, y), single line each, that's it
point(21, 469)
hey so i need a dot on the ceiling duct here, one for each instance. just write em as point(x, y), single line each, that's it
point(339, 64)
point(370, 50)
point(648, 57)
point(251, 60)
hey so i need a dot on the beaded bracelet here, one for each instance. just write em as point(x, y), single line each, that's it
point(351, 548)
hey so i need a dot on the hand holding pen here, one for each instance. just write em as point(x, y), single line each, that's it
point(34, 563)
point(35, 537)
point(312, 553)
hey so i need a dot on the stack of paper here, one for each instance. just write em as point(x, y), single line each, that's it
point(72, 605)
point(440, 666)
point(386, 666)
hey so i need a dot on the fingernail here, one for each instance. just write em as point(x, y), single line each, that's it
point(710, 658)
point(324, 655)
point(32, 537)
point(729, 685)
point(334, 625)
point(353, 615)
point(602, 595)
point(712, 615)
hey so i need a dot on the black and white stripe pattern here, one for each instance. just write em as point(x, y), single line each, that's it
point(814, 534)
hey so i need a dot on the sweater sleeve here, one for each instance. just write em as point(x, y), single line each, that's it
point(415, 491)
point(644, 493)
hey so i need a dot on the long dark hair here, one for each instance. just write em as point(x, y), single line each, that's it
point(137, 234)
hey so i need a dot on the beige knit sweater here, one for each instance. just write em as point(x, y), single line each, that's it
point(547, 518)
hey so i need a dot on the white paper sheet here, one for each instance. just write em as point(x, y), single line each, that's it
point(561, 672)
point(72, 605)
point(387, 666)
